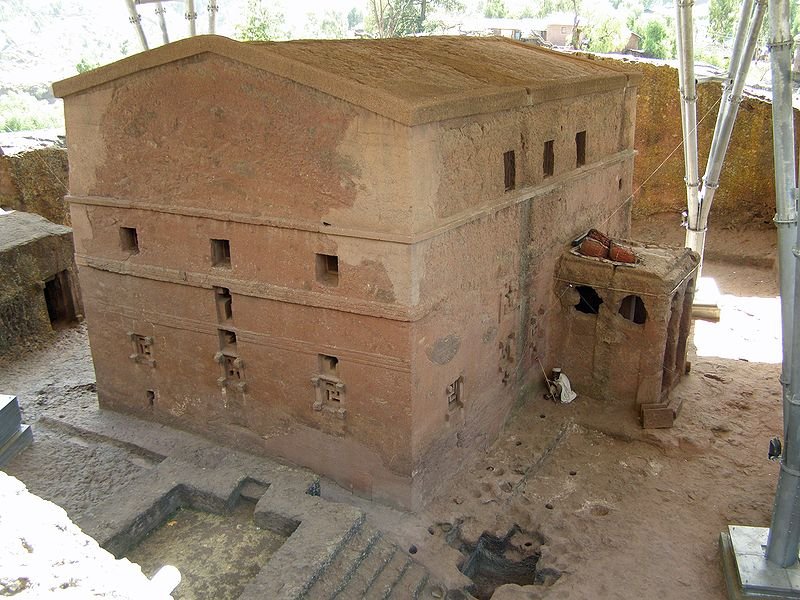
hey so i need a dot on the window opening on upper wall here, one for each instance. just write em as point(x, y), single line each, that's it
point(589, 301)
point(129, 239)
point(510, 170)
point(549, 159)
point(221, 253)
point(580, 148)
point(327, 269)
point(224, 303)
point(632, 308)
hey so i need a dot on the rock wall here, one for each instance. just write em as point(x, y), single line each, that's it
point(36, 182)
point(746, 195)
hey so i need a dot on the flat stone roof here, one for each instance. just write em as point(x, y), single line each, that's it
point(20, 228)
point(409, 80)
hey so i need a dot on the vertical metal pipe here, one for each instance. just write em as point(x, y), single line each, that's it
point(732, 97)
point(784, 534)
point(191, 16)
point(136, 20)
point(213, 7)
point(695, 236)
point(160, 10)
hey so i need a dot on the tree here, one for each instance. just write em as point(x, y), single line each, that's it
point(354, 17)
point(655, 40)
point(332, 26)
point(261, 23)
point(495, 9)
point(396, 18)
point(722, 17)
point(605, 34)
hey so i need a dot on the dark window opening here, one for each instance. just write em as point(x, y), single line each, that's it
point(510, 169)
point(549, 159)
point(227, 340)
point(221, 253)
point(328, 365)
point(58, 298)
point(327, 269)
point(224, 303)
point(151, 397)
point(619, 183)
point(129, 239)
point(589, 302)
point(632, 308)
point(580, 148)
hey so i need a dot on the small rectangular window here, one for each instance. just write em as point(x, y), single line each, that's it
point(549, 159)
point(151, 397)
point(227, 340)
point(328, 365)
point(129, 239)
point(327, 266)
point(221, 253)
point(510, 169)
point(224, 304)
point(580, 148)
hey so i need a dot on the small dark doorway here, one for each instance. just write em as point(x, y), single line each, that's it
point(58, 297)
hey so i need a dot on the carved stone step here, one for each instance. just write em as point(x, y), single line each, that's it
point(346, 562)
point(376, 560)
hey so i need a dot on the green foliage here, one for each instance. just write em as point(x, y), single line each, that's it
point(354, 17)
point(84, 65)
point(722, 17)
point(261, 23)
point(655, 42)
point(495, 9)
point(527, 13)
point(332, 26)
point(21, 112)
point(397, 18)
point(605, 35)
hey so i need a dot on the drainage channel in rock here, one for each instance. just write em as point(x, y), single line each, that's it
point(492, 561)
point(216, 554)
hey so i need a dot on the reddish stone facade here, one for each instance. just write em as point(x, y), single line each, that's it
point(338, 252)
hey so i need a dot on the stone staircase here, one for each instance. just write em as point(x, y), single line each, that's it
point(370, 566)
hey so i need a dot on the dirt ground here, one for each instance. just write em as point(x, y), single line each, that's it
point(615, 511)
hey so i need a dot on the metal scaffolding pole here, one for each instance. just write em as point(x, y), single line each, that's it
point(213, 8)
point(136, 20)
point(160, 10)
point(695, 236)
point(191, 16)
point(743, 51)
point(784, 533)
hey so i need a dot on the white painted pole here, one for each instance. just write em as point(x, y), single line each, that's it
point(136, 20)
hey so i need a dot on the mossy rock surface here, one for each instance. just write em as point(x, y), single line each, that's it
point(36, 181)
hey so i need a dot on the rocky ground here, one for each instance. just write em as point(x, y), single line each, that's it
point(614, 511)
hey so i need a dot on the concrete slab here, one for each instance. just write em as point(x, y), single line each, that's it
point(748, 574)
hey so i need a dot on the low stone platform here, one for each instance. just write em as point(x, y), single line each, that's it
point(330, 551)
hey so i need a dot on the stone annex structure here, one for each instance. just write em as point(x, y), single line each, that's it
point(340, 253)
point(38, 287)
point(624, 328)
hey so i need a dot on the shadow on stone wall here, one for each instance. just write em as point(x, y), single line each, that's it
point(36, 182)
